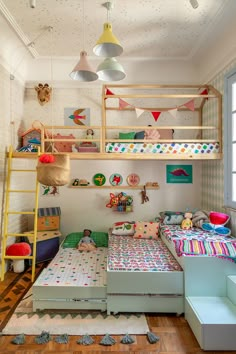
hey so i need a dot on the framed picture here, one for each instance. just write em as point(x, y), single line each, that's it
point(179, 174)
point(76, 116)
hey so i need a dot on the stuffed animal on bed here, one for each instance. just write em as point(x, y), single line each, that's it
point(187, 222)
point(86, 243)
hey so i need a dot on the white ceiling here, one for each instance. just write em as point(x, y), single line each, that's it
point(147, 29)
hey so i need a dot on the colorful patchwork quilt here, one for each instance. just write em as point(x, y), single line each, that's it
point(164, 148)
point(128, 254)
point(199, 242)
point(71, 267)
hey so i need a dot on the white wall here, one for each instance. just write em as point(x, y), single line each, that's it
point(87, 207)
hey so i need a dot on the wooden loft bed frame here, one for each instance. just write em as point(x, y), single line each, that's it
point(202, 93)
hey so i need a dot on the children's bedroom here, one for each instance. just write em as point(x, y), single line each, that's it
point(117, 182)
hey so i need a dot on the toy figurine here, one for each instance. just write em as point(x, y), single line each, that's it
point(86, 243)
point(89, 134)
point(187, 222)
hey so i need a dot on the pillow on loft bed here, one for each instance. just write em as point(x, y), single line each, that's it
point(146, 230)
point(153, 134)
point(128, 136)
point(72, 239)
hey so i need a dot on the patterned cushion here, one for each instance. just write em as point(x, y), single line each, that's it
point(123, 228)
point(143, 229)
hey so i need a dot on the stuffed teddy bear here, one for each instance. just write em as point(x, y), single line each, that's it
point(86, 243)
point(187, 222)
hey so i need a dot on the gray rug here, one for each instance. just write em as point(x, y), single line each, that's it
point(24, 320)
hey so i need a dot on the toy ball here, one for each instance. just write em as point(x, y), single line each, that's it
point(47, 158)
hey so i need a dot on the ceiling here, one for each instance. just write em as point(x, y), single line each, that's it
point(145, 28)
point(163, 30)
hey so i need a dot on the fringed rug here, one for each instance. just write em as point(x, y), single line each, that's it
point(24, 320)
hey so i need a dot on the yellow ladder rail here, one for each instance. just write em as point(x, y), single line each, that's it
point(8, 212)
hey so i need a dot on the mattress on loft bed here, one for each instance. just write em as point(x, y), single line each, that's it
point(195, 241)
point(72, 280)
point(166, 148)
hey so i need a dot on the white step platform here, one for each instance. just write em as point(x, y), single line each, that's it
point(213, 321)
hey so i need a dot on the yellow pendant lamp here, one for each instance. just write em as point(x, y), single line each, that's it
point(108, 45)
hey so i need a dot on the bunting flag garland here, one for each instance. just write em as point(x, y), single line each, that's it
point(173, 112)
point(139, 112)
point(122, 104)
point(190, 105)
point(156, 115)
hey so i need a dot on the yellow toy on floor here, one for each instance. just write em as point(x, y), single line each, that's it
point(187, 222)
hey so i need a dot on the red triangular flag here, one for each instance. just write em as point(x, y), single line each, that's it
point(204, 92)
point(108, 92)
point(190, 105)
point(156, 115)
point(122, 104)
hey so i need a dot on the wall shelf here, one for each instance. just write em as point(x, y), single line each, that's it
point(114, 187)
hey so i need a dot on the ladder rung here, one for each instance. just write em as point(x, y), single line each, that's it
point(18, 234)
point(21, 212)
point(18, 257)
point(16, 170)
point(22, 191)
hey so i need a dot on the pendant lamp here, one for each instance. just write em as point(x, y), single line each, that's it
point(108, 45)
point(83, 71)
point(110, 70)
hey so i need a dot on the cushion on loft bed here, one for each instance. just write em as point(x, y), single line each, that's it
point(72, 239)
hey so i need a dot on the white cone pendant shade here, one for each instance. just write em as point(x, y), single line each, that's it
point(83, 71)
point(110, 70)
point(108, 45)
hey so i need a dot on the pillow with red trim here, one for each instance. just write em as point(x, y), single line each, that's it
point(123, 228)
point(144, 229)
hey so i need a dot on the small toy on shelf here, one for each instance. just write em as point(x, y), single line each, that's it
point(121, 202)
point(187, 222)
point(86, 243)
point(144, 195)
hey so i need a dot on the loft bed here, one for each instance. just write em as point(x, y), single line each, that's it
point(148, 122)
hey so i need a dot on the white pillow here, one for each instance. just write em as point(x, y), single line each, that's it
point(123, 228)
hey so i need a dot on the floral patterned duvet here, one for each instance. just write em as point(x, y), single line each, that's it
point(128, 254)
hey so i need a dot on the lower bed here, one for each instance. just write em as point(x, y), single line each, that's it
point(143, 276)
point(73, 280)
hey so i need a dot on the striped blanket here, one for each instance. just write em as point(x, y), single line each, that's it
point(225, 249)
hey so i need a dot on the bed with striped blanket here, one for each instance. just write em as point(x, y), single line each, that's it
point(196, 241)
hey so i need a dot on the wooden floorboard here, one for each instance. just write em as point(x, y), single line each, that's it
point(175, 334)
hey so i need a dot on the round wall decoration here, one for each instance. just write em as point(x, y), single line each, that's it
point(133, 179)
point(116, 179)
point(99, 179)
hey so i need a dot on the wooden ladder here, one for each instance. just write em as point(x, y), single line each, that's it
point(7, 213)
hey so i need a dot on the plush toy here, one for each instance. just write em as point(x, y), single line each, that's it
point(187, 222)
point(86, 243)
point(43, 93)
point(114, 200)
point(18, 249)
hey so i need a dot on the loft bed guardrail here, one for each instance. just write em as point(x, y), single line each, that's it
point(178, 122)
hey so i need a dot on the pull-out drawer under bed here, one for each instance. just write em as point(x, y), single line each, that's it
point(143, 276)
point(73, 280)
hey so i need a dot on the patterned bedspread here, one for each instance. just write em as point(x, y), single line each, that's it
point(167, 148)
point(128, 254)
point(73, 268)
point(199, 242)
